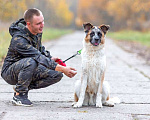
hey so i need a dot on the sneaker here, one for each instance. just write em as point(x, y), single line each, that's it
point(22, 100)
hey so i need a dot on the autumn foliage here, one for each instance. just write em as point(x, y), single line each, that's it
point(119, 14)
point(56, 12)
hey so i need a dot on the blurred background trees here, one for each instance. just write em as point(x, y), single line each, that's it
point(119, 14)
point(56, 12)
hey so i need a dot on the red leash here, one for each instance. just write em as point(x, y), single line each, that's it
point(60, 62)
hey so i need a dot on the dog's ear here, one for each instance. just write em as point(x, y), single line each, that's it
point(104, 28)
point(87, 27)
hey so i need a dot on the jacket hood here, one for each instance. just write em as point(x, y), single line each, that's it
point(17, 27)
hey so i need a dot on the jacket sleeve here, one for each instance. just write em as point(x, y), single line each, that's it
point(45, 52)
point(22, 46)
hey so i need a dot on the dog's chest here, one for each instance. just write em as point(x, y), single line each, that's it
point(94, 64)
point(94, 60)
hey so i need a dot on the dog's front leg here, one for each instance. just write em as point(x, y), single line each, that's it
point(99, 93)
point(82, 92)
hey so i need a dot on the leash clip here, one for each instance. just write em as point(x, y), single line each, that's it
point(79, 52)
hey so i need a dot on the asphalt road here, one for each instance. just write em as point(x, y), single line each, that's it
point(128, 76)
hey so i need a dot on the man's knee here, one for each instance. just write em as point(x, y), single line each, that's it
point(59, 76)
point(55, 78)
point(46, 81)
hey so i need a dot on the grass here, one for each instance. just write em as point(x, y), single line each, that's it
point(141, 37)
point(4, 42)
point(53, 33)
point(48, 34)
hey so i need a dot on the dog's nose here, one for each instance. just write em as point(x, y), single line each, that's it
point(96, 40)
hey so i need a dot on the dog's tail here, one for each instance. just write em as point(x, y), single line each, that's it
point(115, 100)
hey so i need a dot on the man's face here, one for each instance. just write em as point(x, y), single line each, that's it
point(36, 25)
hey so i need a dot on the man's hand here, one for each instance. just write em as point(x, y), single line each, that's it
point(68, 71)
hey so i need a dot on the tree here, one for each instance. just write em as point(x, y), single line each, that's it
point(61, 15)
point(94, 11)
point(12, 9)
point(132, 13)
point(120, 14)
point(56, 12)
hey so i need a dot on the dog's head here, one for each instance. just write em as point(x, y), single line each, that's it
point(95, 35)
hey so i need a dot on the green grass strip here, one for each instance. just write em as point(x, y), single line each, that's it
point(141, 37)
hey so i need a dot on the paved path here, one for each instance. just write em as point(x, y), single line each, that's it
point(128, 76)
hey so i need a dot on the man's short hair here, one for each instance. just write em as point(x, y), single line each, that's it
point(28, 14)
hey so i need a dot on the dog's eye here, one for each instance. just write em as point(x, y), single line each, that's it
point(92, 34)
point(99, 34)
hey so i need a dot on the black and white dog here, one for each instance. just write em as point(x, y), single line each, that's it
point(91, 89)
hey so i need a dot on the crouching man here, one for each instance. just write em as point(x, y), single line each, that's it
point(27, 64)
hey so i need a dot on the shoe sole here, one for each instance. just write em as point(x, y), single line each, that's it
point(20, 104)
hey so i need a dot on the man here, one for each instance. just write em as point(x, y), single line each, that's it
point(27, 64)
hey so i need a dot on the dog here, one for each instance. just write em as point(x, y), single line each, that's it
point(91, 89)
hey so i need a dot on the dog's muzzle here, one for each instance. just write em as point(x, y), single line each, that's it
point(95, 42)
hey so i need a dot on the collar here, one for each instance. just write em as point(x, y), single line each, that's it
point(29, 33)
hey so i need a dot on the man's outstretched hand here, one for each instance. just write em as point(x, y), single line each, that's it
point(68, 71)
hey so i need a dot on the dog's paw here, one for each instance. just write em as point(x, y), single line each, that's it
point(77, 105)
point(109, 104)
point(74, 103)
point(99, 105)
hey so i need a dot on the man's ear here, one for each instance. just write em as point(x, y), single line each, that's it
point(104, 28)
point(87, 27)
point(28, 23)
